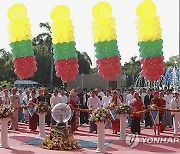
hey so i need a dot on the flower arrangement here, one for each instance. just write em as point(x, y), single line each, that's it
point(31, 104)
point(6, 111)
point(111, 105)
point(123, 108)
point(153, 107)
point(42, 107)
point(101, 115)
point(60, 139)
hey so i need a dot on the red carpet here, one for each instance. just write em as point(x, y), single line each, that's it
point(17, 147)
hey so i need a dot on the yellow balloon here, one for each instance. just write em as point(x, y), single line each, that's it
point(17, 11)
point(146, 9)
point(102, 10)
point(60, 12)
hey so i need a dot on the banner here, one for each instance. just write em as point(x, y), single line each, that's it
point(155, 116)
point(113, 114)
point(30, 110)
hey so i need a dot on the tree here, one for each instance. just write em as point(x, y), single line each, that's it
point(131, 69)
point(173, 61)
point(44, 57)
point(44, 40)
point(84, 62)
point(94, 70)
point(6, 69)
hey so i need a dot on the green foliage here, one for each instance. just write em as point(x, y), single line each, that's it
point(8, 84)
point(6, 69)
point(43, 52)
point(84, 63)
point(131, 69)
point(173, 61)
point(94, 70)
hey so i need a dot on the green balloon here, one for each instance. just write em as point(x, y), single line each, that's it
point(151, 49)
point(64, 50)
point(106, 49)
point(21, 48)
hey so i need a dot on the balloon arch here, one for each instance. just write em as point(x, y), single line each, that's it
point(104, 36)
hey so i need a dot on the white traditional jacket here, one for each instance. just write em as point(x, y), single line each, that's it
point(175, 104)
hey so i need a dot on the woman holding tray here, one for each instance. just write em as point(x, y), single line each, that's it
point(115, 122)
point(33, 117)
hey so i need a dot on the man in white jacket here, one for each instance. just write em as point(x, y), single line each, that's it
point(93, 103)
point(168, 98)
point(175, 104)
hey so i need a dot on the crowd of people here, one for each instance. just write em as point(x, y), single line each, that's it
point(139, 100)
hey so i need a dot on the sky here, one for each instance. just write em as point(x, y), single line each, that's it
point(124, 12)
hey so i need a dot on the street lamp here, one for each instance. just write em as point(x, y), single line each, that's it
point(82, 80)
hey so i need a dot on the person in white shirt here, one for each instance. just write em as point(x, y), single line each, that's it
point(93, 103)
point(55, 99)
point(175, 104)
point(168, 118)
point(124, 94)
point(130, 96)
point(100, 92)
point(105, 103)
point(26, 99)
point(105, 100)
point(5, 98)
point(129, 99)
point(143, 94)
point(20, 111)
point(2, 91)
point(64, 98)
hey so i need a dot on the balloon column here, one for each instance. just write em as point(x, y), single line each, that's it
point(65, 55)
point(150, 42)
point(104, 34)
point(21, 44)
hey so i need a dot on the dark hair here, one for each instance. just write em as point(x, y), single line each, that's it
point(109, 91)
point(161, 93)
point(56, 90)
point(115, 92)
point(85, 89)
point(33, 91)
point(92, 89)
point(4, 86)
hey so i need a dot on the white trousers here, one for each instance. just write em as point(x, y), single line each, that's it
point(176, 123)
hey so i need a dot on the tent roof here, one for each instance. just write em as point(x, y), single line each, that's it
point(25, 82)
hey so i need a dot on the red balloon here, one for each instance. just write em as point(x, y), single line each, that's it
point(66, 69)
point(25, 66)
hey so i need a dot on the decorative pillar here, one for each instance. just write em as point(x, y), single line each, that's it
point(4, 133)
point(42, 125)
point(101, 137)
point(123, 126)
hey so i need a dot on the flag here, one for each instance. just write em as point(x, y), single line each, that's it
point(113, 114)
point(31, 111)
point(155, 116)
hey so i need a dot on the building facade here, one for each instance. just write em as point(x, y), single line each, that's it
point(93, 81)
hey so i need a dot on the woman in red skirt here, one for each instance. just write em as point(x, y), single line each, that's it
point(33, 119)
point(72, 104)
point(116, 122)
